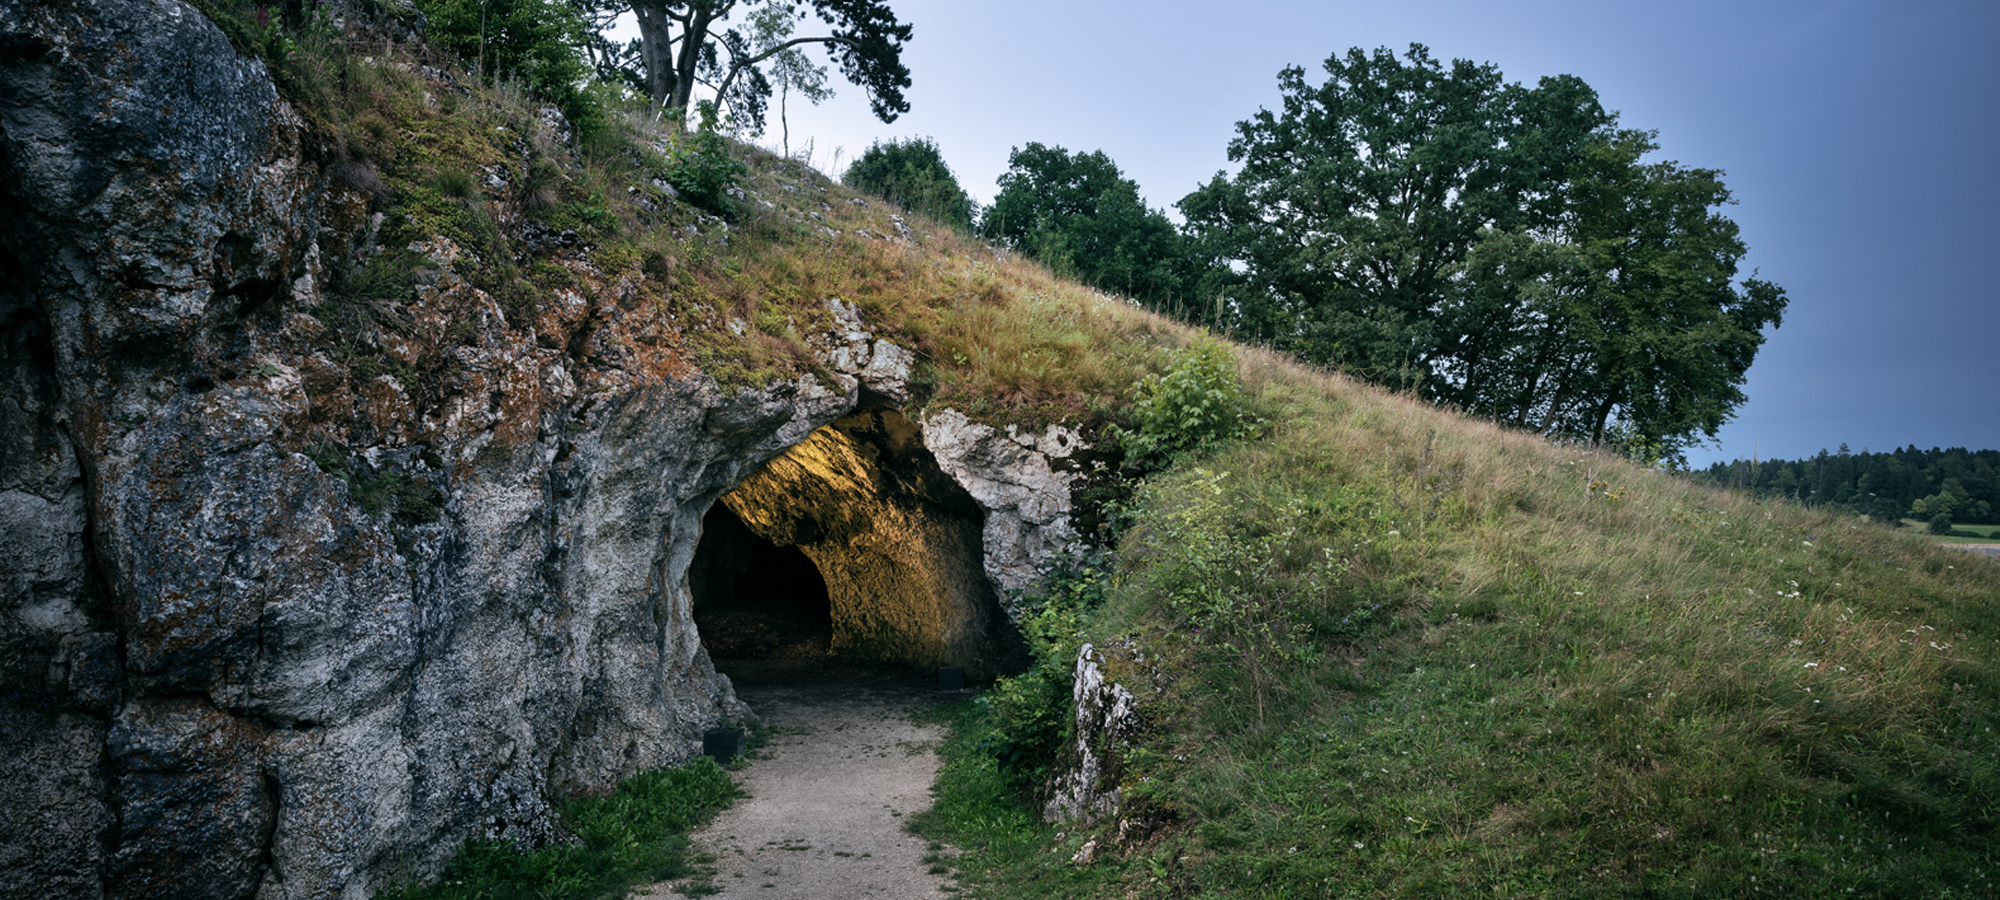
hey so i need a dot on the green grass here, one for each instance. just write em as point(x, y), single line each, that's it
point(635, 835)
point(1389, 652)
point(1003, 847)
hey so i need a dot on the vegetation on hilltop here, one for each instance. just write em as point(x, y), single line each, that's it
point(1497, 248)
point(1080, 215)
point(913, 174)
point(1381, 649)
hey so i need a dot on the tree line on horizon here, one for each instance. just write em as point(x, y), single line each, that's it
point(1510, 251)
point(1940, 487)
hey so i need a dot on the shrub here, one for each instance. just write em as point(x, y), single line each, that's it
point(1028, 714)
point(913, 174)
point(537, 42)
point(700, 167)
point(1195, 404)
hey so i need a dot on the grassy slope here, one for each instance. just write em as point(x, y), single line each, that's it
point(1391, 651)
point(1539, 671)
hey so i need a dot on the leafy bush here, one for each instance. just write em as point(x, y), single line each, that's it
point(1196, 404)
point(537, 42)
point(700, 167)
point(913, 174)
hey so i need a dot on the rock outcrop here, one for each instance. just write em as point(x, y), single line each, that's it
point(1015, 477)
point(271, 626)
point(1106, 719)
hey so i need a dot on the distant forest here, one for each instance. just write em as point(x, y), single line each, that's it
point(1955, 485)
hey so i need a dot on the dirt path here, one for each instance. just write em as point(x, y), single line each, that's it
point(830, 793)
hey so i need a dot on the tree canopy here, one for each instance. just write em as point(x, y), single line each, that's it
point(1080, 215)
point(913, 174)
point(728, 45)
point(1496, 247)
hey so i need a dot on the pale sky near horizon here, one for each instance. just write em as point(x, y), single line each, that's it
point(1857, 136)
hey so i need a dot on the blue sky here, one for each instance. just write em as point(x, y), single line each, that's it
point(1859, 139)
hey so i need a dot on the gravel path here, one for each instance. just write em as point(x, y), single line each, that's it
point(829, 795)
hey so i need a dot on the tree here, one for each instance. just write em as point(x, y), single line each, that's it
point(539, 42)
point(1080, 215)
point(1494, 247)
point(790, 68)
point(913, 174)
point(683, 43)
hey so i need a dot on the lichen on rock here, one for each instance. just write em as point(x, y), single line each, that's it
point(300, 590)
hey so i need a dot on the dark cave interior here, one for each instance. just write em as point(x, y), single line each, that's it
point(755, 600)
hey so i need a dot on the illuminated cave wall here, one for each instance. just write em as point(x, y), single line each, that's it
point(895, 538)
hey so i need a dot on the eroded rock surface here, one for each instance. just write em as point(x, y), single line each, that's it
point(1106, 717)
point(1014, 476)
point(896, 539)
point(274, 626)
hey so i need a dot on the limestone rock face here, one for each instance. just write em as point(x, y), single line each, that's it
point(1013, 475)
point(223, 672)
point(881, 366)
point(272, 627)
point(1106, 715)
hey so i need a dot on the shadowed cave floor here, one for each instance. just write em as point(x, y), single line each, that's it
point(830, 794)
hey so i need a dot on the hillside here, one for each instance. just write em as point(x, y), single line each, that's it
point(1384, 651)
point(359, 457)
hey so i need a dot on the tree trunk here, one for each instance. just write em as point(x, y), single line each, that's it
point(655, 49)
point(694, 34)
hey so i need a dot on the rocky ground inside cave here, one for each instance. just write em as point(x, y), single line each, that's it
point(831, 792)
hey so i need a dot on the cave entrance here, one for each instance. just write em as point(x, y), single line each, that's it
point(755, 600)
point(851, 546)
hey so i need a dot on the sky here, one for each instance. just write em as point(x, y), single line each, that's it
point(1858, 138)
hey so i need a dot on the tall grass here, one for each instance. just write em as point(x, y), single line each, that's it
point(1440, 659)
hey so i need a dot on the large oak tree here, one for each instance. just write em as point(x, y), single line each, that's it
point(1497, 247)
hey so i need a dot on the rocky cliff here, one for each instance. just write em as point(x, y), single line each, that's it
point(274, 623)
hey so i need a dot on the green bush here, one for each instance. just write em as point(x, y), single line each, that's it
point(1197, 403)
point(536, 42)
point(1028, 714)
point(701, 168)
